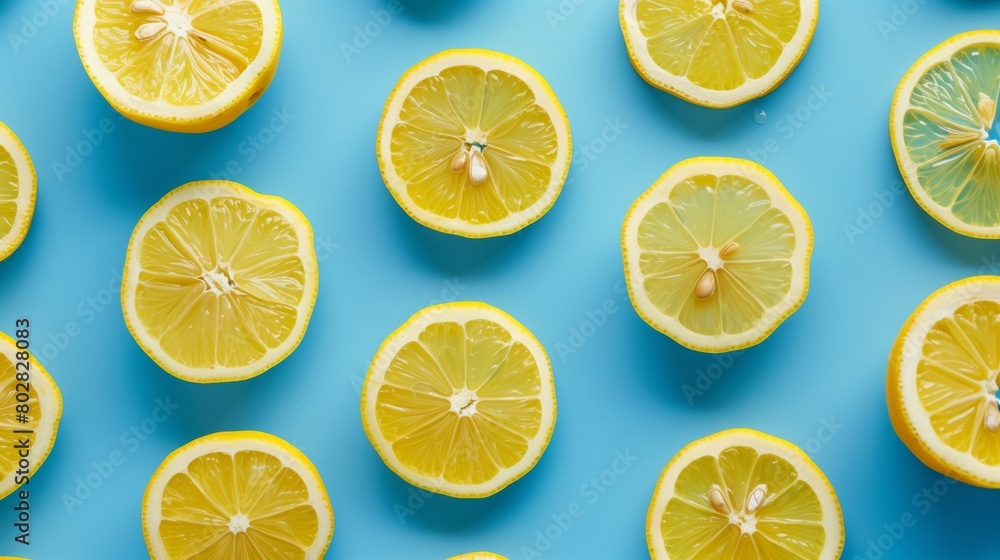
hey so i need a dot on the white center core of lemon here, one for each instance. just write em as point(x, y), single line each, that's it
point(470, 155)
point(172, 18)
point(746, 519)
point(711, 257)
point(239, 523)
point(464, 402)
point(218, 281)
point(991, 414)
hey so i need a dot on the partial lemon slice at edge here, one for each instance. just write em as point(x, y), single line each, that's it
point(18, 190)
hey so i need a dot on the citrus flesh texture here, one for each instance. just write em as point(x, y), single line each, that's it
point(219, 281)
point(474, 143)
point(717, 53)
point(944, 131)
point(18, 187)
point(716, 254)
point(182, 65)
point(237, 495)
point(36, 418)
point(744, 495)
point(478, 556)
point(943, 381)
point(460, 400)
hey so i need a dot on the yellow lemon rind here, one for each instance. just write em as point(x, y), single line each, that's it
point(214, 114)
point(780, 197)
point(683, 88)
point(130, 275)
point(408, 331)
point(27, 191)
point(290, 456)
point(478, 556)
point(764, 443)
point(488, 60)
point(897, 112)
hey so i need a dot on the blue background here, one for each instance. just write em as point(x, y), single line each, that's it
point(622, 387)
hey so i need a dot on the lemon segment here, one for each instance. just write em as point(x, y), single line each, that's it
point(185, 65)
point(460, 400)
point(478, 556)
point(474, 143)
point(44, 410)
point(716, 254)
point(944, 133)
point(717, 53)
point(219, 281)
point(239, 495)
point(744, 495)
point(18, 189)
point(942, 381)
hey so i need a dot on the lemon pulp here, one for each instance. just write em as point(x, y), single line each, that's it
point(715, 45)
point(231, 505)
point(462, 109)
point(220, 281)
point(956, 380)
point(460, 400)
point(184, 52)
point(949, 133)
point(786, 524)
point(682, 238)
point(10, 189)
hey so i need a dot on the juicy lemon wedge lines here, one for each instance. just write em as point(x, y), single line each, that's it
point(717, 53)
point(460, 400)
point(744, 495)
point(716, 254)
point(219, 281)
point(944, 132)
point(474, 143)
point(237, 495)
point(18, 189)
point(180, 65)
point(942, 381)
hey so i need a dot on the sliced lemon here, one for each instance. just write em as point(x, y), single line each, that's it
point(219, 281)
point(717, 53)
point(474, 143)
point(944, 132)
point(478, 556)
point(744, 495)
point(943, 378)
point(460, 400)
point(18, 189)
point(239, 496)
point(180, 65)
point(717, 254)
point(35, 419)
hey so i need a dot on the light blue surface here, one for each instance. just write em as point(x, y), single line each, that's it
point(621, 389)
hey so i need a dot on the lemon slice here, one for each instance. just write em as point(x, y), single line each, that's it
point(478, 556)
point(41, 412)
point(474, 143)
point(717, 53)
point(717, 254)
point(18, 189)
point(944, 133)
point(460, 400)
point(744, 495)
point(239, 496)
point(219, 281)
point(186, 65)
point(942, 381)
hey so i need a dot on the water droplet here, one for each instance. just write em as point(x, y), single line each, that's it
point(760, 116)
